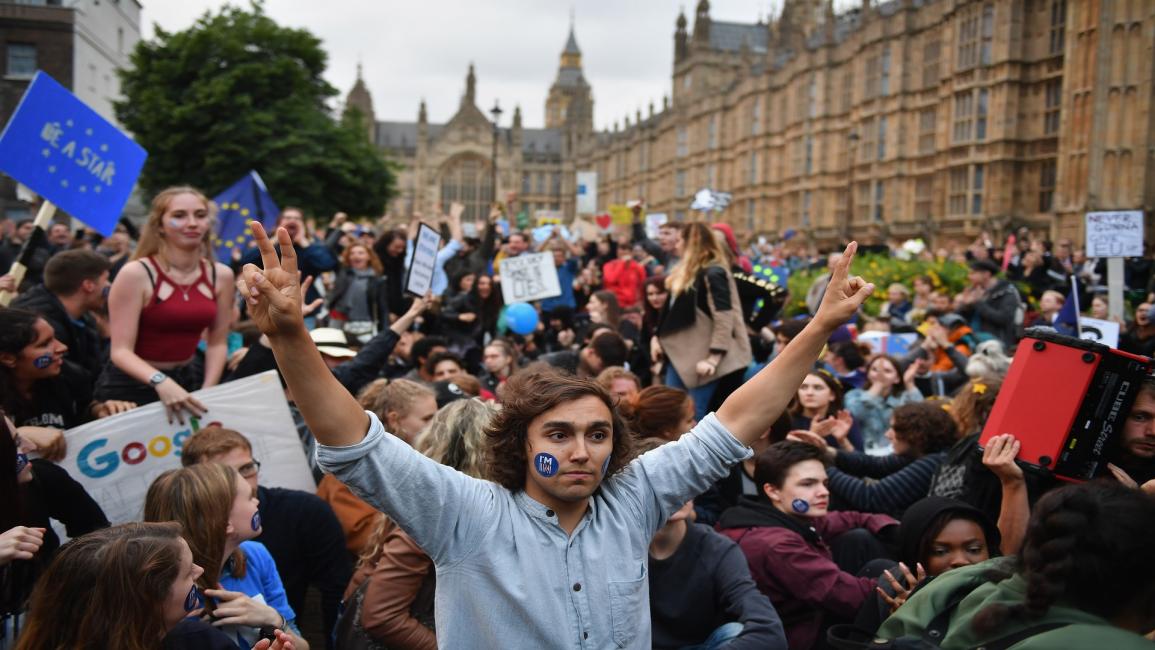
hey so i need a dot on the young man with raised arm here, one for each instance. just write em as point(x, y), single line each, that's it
point(553, 551)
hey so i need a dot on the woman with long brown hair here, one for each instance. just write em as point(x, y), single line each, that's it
point(218, 510)
point(702, 334)
point(161, 306)
point(123, 587)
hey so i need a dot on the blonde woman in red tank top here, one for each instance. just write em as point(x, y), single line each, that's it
point(164, 302)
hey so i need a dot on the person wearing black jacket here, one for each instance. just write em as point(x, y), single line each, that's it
point(701, 591)
point(75, 285)
point(993, 305)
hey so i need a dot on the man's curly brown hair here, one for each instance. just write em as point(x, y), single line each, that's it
point(525, 396)
point(926, 427)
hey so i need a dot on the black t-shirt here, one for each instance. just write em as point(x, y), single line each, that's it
point(60, 402)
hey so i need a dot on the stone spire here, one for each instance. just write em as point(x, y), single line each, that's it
point(361, 101)
point(680, 38)
point(470, 87)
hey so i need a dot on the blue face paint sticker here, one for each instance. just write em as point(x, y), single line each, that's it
point(193, 600)
point(545, 464)
point(21, 461)
point(105, 290)
point(256, 522)
point(801, 506)
point(43, 362)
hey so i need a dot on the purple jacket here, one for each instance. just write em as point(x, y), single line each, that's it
point(791, 564)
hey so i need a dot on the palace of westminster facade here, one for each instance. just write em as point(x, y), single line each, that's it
point(906, 118)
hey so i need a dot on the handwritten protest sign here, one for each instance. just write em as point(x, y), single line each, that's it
point(1099, 331)
point(654, 221)
point(420, 277)
point(587, 192)
point(529, 277)
point(70, 155)
point(1115, 234)
point(886, 343)
point(117, 458)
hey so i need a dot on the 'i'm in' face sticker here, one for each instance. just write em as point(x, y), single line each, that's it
point(43, 362)
point(256, 522)
point(801, 506)
point(21, 461)
point(193, 600)
point(545, 464)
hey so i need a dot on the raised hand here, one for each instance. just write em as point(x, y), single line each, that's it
point(273, 293)
point(901, 591)
point(999, 457)
point(845, 293)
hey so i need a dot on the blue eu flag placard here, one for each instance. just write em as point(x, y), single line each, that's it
point(246, 200)
point(70, 155)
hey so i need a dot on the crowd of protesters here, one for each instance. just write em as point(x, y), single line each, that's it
point(665, 458)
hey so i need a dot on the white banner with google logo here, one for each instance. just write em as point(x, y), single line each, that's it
point(117, 458)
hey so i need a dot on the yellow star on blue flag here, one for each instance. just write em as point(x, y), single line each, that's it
point(246, 200)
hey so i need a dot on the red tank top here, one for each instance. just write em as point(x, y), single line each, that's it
point(170, 329)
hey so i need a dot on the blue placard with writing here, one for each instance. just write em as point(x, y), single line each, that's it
point(70, 155)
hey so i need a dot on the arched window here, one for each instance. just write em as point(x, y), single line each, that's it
point(466, 180)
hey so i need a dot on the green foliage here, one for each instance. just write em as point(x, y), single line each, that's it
point(883, 270)
point(237, 92)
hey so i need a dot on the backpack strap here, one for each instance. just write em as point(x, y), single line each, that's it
point(1011, 639)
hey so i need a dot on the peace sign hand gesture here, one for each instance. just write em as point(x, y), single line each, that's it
point(844, 294)
point(273, 293)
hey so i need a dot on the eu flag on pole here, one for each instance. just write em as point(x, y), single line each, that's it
point(247, 200)
point(1067, 320)
point(70, 155)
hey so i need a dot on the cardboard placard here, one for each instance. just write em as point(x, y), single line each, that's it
point(419, 278)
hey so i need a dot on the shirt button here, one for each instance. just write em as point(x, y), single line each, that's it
point(585, 635)
point(549, 513)
point(577, 586)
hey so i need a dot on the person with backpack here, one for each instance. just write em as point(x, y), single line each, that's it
point(1085, 578)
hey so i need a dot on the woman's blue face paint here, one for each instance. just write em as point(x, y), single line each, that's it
point(545, 464)
point(21, 461)
point(801, 506)
point(43, 362)
point(256, 522)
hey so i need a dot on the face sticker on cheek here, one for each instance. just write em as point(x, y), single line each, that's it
point(256, 521)
point(193, 600)
point(545, 464)
point(174, 223)
point(105, 290)
point(21, 461)
point(801, 506)
point(42, 362)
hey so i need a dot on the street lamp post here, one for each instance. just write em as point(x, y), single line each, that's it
point(496, 113)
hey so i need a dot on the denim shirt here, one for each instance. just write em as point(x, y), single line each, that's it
point(508, 575)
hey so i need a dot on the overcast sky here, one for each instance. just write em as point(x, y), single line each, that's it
point(421, 49)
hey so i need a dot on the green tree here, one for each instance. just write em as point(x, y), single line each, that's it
point(237, 91)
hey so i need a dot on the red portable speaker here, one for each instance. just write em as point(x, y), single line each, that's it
point(1065, 400)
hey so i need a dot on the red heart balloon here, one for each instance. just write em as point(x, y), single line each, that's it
point(603, 221)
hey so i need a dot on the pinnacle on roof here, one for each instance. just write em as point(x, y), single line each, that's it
point(571, 46)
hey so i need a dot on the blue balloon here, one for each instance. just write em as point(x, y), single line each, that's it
point(521, 318)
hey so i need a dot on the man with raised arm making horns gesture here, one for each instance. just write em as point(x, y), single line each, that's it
point(553, 551)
